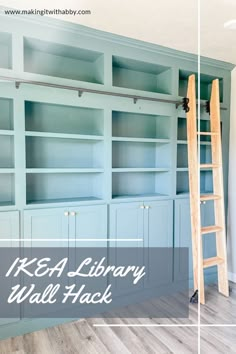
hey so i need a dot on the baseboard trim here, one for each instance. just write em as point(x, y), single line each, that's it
point(232, 277)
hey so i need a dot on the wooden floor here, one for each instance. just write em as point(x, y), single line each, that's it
point(84, 338)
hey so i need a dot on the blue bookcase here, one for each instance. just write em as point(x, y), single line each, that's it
point(98, 166)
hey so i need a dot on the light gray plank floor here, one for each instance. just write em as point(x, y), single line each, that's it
point(83, 337)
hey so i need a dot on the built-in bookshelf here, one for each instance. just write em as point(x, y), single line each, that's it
point(57, 60)
point(64, 153)
point(7, 153)
point(205, 84)
point(138, 75)
point(141, 155)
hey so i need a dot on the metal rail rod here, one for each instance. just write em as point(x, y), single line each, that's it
point(81, 90)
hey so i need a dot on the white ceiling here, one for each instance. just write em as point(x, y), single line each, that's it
point(172, 23)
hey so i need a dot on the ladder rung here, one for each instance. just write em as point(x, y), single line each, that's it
point(209, 165)
point(210, 229)
point(207, 133)
point(209, 197)
point(210, 262)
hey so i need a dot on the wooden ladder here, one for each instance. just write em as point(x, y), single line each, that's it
point(199, 263)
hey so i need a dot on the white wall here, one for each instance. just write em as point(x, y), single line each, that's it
point(231, 237)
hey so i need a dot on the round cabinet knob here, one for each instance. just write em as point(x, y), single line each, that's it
point(142, 206)
point(204, 202)
point(73, 213)
point(147, 207)
point(66, 213)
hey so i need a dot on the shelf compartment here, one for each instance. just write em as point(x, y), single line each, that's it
point(6, 116)
point(205, 154)
point(7, 189)
point(205, 84)
point(63, 153)
point(140, 184)
point(140, 155)
point(182, 129)
point(6, 151)
point(144, 126)
point(182, 182)
point(61, 187)
point(5, 50)
point(182, 155)
point(58, 60)
point(204, 127)
point(138, 75)
point(54, 118)
point(206, 182)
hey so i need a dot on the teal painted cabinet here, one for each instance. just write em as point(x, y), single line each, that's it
point(147, 224)
point(88, 226)
point(150, 223)
point(126, 222)
point(158, 224)
point(65, 225)
point(46, 224)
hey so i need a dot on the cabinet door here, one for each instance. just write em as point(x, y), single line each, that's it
point(158, 232)
point(182, 229)
point(126, 222)
point(9, 229)
point(88, 223)
point(158, 224)
point(46, 224)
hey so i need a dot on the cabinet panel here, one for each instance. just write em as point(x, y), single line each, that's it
point(126, 222)
point(158, 224)
point(182, 224)
point(47, 224)
point(9, 227)
point(158, 232)
point(89, 222)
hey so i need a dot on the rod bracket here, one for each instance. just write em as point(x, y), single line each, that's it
point(185, 105)
point(17, 84)
point(135, 100)
point(208, 109)
point(80, 93)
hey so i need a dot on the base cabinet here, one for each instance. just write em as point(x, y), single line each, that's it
point(65, 225)
point(150, 222)
point(142, 224)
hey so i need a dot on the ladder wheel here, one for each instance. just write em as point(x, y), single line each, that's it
point(194, 298)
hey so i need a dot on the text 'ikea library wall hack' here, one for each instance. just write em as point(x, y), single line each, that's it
point(76, 163)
